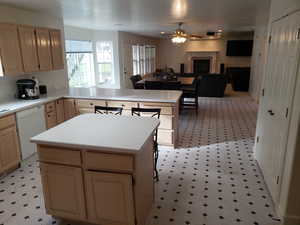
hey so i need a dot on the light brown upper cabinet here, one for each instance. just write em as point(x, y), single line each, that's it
point(44, 48)
point(28, 48)
point(56, 49)
point(10, 53)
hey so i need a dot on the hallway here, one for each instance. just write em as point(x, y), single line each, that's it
point(211, 179)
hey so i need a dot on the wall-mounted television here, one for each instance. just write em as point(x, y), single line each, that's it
point(239, 48)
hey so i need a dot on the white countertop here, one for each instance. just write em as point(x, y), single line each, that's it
point(94, 93)
point(124, 134)
point(126, 94)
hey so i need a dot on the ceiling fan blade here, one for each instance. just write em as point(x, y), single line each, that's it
point(195, 36)
point(167, 35)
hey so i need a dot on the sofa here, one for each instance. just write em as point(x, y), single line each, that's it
point(212, 85)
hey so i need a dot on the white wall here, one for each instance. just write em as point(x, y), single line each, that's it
point(171, 55)
point(55, 80)
point(126, 40)
point(74, 33)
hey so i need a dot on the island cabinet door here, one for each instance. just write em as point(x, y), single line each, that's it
point(109, 198)
point(63, 191)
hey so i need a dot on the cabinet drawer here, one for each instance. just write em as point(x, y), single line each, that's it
point(82, 103)
point(7, 121)
point(124, 105)
point(108, 162)
point(50, 107)
point(51, 119)
point(165, 109)
point(59, 155)
point(85, 110)
point(165, 137)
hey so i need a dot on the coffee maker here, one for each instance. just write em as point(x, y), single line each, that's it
point(27, 89)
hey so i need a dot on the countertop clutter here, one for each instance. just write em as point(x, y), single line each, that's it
point(124, 134)
point(15, 105)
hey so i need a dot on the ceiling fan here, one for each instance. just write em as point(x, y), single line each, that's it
point(179, 36)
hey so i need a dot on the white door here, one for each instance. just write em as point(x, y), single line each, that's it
point(127, 64)
point(279, 87)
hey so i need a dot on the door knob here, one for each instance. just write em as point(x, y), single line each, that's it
point(271, 112)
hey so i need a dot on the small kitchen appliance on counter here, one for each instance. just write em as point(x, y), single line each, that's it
point(27, 89)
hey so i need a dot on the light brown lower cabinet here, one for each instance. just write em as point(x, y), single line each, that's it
point(63, 191)
point(10, 155)
point(51, 120)
point(70, 110)
point(111, 198)
point(60, 113)
point(9, 148)
point(96, 186)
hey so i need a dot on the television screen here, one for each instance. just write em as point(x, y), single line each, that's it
point(239, 48)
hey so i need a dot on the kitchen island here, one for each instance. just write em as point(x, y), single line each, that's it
point(98, 169)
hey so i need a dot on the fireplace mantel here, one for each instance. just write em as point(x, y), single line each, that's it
point(211, 55)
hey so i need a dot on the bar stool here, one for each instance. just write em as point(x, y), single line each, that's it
point(155, 113)
point(108, 110)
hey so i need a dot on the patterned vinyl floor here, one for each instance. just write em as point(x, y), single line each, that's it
point(210, 179)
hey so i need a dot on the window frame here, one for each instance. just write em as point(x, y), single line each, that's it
point(92, 64)
point(95, 77)
point(143, 59)
point(97, 72)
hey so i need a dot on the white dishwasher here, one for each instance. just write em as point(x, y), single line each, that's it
point(30, 122)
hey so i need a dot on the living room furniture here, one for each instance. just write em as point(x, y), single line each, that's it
point(134, 80)
point(182, 80)
point(239, 77)
point(108, 110)
point(153, 85)
point(189, 98)
point(171, 85)
point(212, 85)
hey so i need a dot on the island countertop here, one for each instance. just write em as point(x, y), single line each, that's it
point(165, 96)
point(112, 133)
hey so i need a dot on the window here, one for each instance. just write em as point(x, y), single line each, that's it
point(80, 62)
point(143, 57)
point(105, 62)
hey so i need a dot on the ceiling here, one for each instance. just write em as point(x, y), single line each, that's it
point(150, 17)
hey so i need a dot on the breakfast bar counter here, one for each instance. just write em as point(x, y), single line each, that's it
point(65, 104)
point(99, 169)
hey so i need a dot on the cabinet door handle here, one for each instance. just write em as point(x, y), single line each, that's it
point(271, 112)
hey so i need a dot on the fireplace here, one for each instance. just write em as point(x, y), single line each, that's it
point(201, 66)
point(202, 62)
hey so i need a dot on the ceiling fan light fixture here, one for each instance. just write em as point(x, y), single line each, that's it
point(179, 37)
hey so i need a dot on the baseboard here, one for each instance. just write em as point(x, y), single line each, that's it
point(291, 220)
